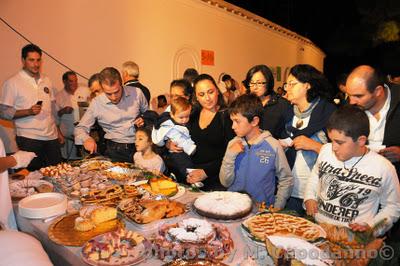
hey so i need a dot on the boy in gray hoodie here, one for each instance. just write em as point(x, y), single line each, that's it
point(254, 161)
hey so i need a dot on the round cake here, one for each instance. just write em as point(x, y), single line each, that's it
point(223, 205)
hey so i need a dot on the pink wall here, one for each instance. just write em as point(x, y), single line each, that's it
point(163, 37)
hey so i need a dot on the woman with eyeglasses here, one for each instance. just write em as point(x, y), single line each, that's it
point(260, 81)
point(308, 91)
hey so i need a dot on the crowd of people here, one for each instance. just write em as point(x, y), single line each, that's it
point(299, 149)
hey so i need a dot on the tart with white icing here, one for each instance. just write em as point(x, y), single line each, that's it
point(223, 205)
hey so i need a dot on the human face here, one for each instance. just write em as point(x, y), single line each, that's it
point(258, 84)
point(113, 92)
point(241, 126)
point(207, 94)
point(296, 90)
point(177, 91)
point(96, 88)
point(182, 117)
point(32, 63)
point(71, 84)
point(142, 141)
point(359, 94)
point(343, 146)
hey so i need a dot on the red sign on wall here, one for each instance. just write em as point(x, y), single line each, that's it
point(207, 57)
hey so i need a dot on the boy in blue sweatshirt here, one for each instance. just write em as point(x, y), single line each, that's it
point(254, 161)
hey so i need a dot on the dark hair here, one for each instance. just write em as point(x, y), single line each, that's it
point(147, 130)
point(350, 120)
point(220, 102)
point(66, 74)
point(161, 101)
point(319, 84)
point(341, 79)
point(374, 79)
point(93, 78)
point(226, 77)
point(190, 74)
point(30, 48)
point(248, 105)
point(110, 76)
point(184, 84)
point(267, 73)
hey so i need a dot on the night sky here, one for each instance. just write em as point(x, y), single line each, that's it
point(347, 31)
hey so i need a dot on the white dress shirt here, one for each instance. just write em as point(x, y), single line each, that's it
point(377, 127)
point(115, 119)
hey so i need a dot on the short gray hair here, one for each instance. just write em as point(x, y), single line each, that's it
point(131, 68)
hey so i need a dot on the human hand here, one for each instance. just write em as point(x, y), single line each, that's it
point(311, 207)
point(173, 147)
point(90, 145)
point(357, 227)
point(23, 158)
point(35, 109)
point(391, 153)
point(288, 142)
point(196, 175)
point(236, 147)
point(139, 122)
point(305, 143)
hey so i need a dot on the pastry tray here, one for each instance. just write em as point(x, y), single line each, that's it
point(62, 231)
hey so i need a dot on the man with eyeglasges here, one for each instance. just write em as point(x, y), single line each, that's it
point(28, 99)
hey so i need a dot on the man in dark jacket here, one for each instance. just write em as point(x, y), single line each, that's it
point(366, 88)
point(130, 77)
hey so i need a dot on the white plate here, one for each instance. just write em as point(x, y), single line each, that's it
point(43, 205)
point(180, 193)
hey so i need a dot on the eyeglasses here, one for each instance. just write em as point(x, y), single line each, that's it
point(257, 84)
point(288, 85)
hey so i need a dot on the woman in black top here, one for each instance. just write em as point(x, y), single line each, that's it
point(260, 81)
point(211, 129)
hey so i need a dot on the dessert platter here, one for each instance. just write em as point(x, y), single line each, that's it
point(223, 205)
point(120, 247)
point(162, 185)
point(193, 238)
point(344, 245)
point(261, 225)
point(144, 211)
point(26, 187)
point(76, 229)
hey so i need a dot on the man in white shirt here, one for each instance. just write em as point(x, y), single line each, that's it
point(366, 88)
point(67, 101)
point(28, 99)
point(117, 110)
point(351, 185)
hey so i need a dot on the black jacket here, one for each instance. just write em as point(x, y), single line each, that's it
point(144, 89)
point(392, 127)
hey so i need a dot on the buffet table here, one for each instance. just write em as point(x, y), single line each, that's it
point(67, 255)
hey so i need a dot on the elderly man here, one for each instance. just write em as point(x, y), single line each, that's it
point(366, 88)
point(67, 101)
point(28, 99)
point(130, 77)
point(117, 111)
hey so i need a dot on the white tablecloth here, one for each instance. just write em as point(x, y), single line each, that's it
point(66, 255)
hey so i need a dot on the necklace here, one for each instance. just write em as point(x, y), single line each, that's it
point(299, 123)
point(346, 171)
